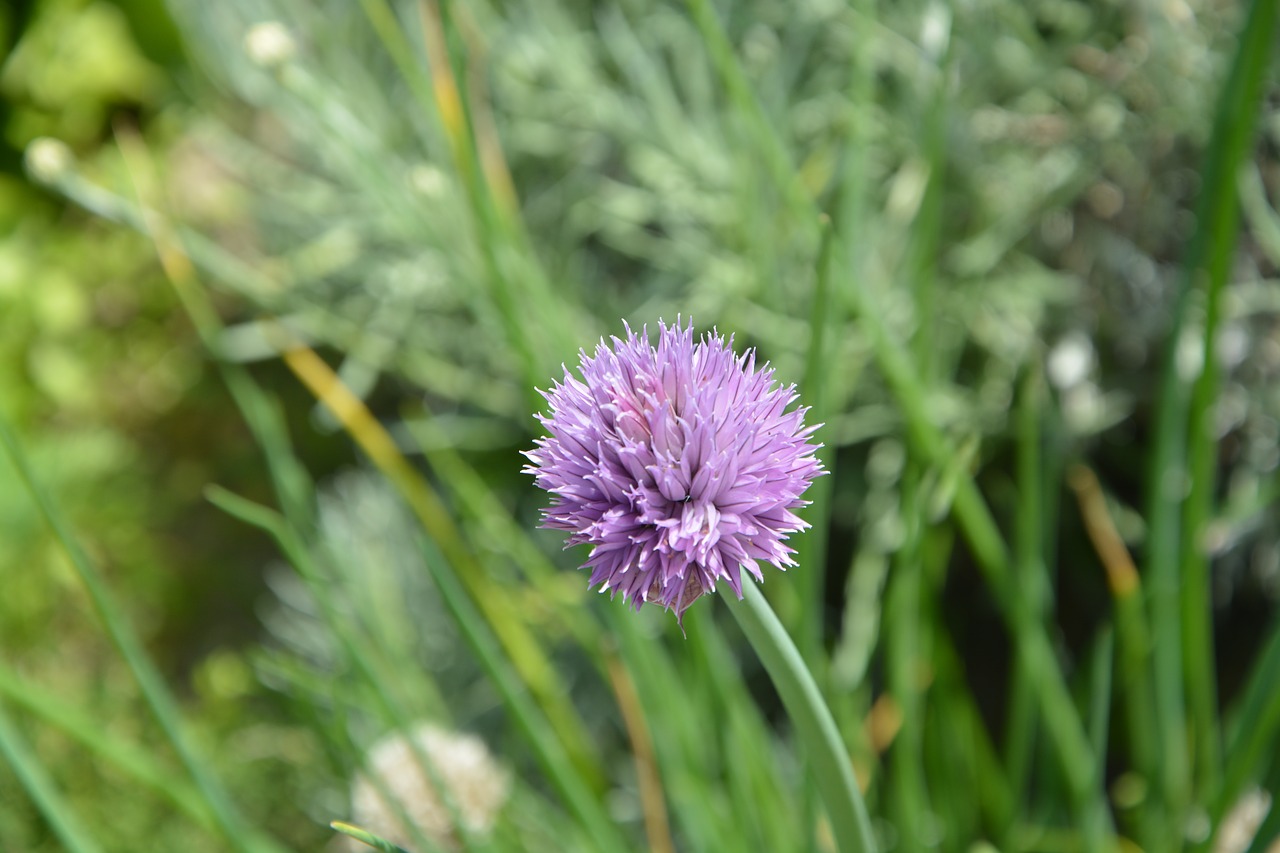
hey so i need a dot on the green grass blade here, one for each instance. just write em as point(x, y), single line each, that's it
point(1099, 703)
point(680, 738)
point(1254, 732)
point(555, 761)
point(1029, 521)
point(974, 519)
point(926, 232)
point(161, 702)
point(518, 287)
point(734, 78)
point(1133, 650)
point(812, 547)
point(907, 648)
point(125, 757)
point(355, 644)
point(478, 504)
point(1208, 267)
point(749, 742)
point(364, 836)
point(64, 823)
point(967, 779)
point(1269, 833)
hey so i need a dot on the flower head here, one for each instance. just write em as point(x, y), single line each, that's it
point(679, 464)
point(476, 783)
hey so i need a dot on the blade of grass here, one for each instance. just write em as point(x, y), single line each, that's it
point(158, 698)
point(1208, 266)
point(1099, 723)
point(812, 547)
point(926, 231)
point(958, 751)
point(682, 748)
point(493, 522)
point(761, 132)
point(656, 828)
point(125, 757)
point(515, 285)
point(969, 509)
point(524, 300)
point(748, 745)
point(366, 837)
point(374, 440)
point(288, 476)
point(534, 284)
point(1030, 522)
point(551, 752)
point(906, 651)
point(738, 751)
point(847, 205)
point(292, 485)
point(950, 710)
point(954, 704)
point(1062, 720)
point(453, 110)
point(525, 651)
point(1133, 646)
point(1253, 733)
point(26, 765)
point(359, 656)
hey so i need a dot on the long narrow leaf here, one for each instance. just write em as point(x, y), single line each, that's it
point(130, 760)
point(161, 702)
point(1177, 565)
point(62, 820)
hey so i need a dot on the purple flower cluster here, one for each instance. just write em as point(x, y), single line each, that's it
point(679, 464)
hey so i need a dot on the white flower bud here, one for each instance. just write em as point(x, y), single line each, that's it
point(477, 785)
point(48, 159)
point(270, 44)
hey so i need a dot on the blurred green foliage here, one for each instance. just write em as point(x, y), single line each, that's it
point(1011, 185)
point(117, 409)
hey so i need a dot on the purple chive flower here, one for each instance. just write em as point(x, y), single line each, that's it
point(678, 464)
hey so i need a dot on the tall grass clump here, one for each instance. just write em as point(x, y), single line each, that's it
point(1019, 261)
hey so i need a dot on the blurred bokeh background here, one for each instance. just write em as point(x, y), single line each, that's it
point(440, 203)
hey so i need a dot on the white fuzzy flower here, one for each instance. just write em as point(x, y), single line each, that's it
point(270, 44)
point(476, 783)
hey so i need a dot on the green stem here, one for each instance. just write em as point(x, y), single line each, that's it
point(1252, 736)
point(64, 823)
point(812, 550)
point(1209, 268)
point(360, 657)
point(130, 760)
point(161, 702)
point(906, 648)
point(771, 146)
point(551, 750)
point(811, 717)
point(1031, 574)
point(973, 517)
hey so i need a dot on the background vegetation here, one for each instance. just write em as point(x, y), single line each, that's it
point(278, 281)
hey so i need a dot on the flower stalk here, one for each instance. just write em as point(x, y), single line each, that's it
point(810, 716)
